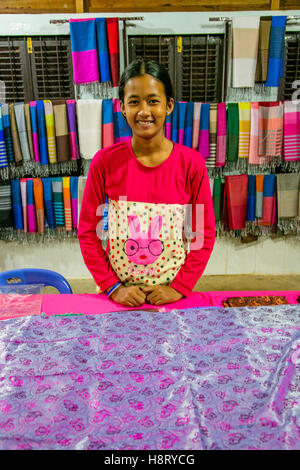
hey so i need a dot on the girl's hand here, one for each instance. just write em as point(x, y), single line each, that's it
point(159, 295)
point(131, 296)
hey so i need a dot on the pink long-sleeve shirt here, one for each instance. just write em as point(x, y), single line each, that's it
point(148, 207)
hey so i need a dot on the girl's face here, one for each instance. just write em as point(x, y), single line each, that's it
point(145, 106)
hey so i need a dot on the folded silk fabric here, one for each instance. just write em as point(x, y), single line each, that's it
point(203, 146)
point(261, 73)
point(244, 129)
point(89, 119)
point(74, 200)
point(48, 202)
point(196, 124)
point(31, 220)
point(50, 131)
point(245, 31)
point(122, 131)
point(268, 200)
point(22, 131)
point(6, 211)
point(112, 26)
point(211, 161)
point(29, 129)
point(107, 123)
point(84, 50)
point(67, 203)
point(7, 134)
point(235, 202)
point(232, 132)
point(58, 201)
point(270, 124)
point(259, 196)
point(276, 51)
point(182, 105)
point(288, 187)
point(103, 54)
point(291, 131)
point(43, 146)
point(17, 204)
point(23, 186)
point(61, 130)
point(188, 126)
point(3, 154)
point(72, 123)
point(15, 135)
point(251, 198)
point(34, 127)
point(38, 193)
point(221, 135)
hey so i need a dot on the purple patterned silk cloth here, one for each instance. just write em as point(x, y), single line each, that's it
point(209, 378)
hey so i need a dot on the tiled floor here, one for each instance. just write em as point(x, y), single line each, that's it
point(210, 283)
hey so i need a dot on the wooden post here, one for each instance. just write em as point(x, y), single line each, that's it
point(80, 7)
point(275, 4)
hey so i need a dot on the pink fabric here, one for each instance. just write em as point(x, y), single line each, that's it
point(221, 135)
point(216, 297)
point(36, 147)
point(196, 125)
point(84, 61)
point(107, 134)
point(17, 305)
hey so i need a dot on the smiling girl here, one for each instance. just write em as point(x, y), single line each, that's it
point(150, 182)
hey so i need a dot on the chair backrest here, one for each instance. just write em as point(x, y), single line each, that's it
point(35, 276)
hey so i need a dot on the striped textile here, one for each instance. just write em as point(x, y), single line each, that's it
point(48, 202)
point(6, 211)
point(31, 220)
point(188, 126)
point(221, 135)
point(38, 193)
point(73, 135)
point(50, 131)
point(58, 202)
point(213, 113)
point(81, 186)
point(245, 34)
point(61, 131)
point(23, 186)
point(122, 131)
point(235, 202)
point(259, 196)
point(175, 122)
point(203, 145)
point(67, 203)
point(276, 51)
point(268, 200)
point(107, 123)
point(251, 198)
point(3, 154)
point(232, 132)
point(288, 188)
point(89, 118)
point(7, 134)
point(181, 121)
point(17, 204)
point(168, 126)
point(261, 73)
point(34, 128)
point(29, 129)
point(217, 200)
point(42, 133)
point(15, 136)
point(270, 129)
point(196, 124)
point(22, 131)
point(244, 129)
point(112, 27)
point(291, 131)
point(103, 55)
point(74, 200)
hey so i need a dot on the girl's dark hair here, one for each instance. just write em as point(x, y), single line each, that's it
point(140, 67)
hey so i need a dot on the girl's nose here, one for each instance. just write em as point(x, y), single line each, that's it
point(144, 109)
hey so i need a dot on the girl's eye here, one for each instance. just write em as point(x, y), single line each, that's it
point(132, 102)
point(154, 101)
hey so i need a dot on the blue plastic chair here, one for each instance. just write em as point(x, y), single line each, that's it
point(17, 277)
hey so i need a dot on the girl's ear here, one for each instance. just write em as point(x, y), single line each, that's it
point(122, 107)
point(170, 105)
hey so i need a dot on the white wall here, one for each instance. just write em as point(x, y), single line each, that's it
point(229, 257)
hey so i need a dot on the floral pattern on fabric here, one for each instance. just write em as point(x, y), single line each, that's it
point(207, 378)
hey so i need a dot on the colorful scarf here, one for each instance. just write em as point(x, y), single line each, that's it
point(38, 194)
point(34, 127)
point(61, 130)
point(67, 203)
point(29, 129)
point(7, 134)
point(217, 188)
point(221, 135)
point(188, 126)
point(15, 136)
point(213, 116)
point(74, 200)
point(43, 146)
point(291, 131)
point(168, 126)
point(259, 196)
point(3, 155)
point(261, 73)
point(50, 130)
point(22, 131)
point(89, 118)
point(23, 186)
point(251, 198)
point(31, 221)
point(6, 211)
point(58, 201)
point(288, 187)
point(175, 122)
point(107, 123)
point(72, 123)
point(81, 186)
point(122, 131)
point(235, 202)
point(245, 32)
point(84, 50)
point(112, 26)
point(48, 202)
point(203, 146)
point(232, 132)
point(270, 123)
point(268, 200)
point(182, 105)
point(103, 55)
point(196, 124)
point(17, 204)
point(276, 52)
point(244, 129)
